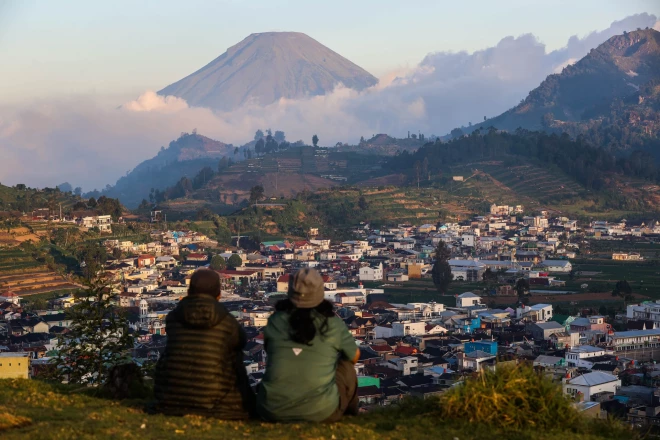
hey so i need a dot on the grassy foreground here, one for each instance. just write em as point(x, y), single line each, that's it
point(34, 409)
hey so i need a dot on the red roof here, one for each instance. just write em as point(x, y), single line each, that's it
point(300, 243)
point(9, 295)
point(274, 248)
point(284, 278)
point(198, 256)
point(382, 348)
point(326, 278)
point(408, 351)
point(146, 257)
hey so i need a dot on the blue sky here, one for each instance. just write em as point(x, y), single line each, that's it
point(121, 48)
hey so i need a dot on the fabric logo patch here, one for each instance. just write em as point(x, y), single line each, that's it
point(297, 351)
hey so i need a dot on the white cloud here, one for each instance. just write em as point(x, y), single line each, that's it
point(86, 143)
point(568, 62)
point(151, 101)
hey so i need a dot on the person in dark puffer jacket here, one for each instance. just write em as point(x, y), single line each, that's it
point(201, 371)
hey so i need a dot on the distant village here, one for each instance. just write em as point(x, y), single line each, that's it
point(407, 349)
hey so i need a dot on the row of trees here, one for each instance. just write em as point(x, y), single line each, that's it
point(104, 206)
point(218, 262)
point(577, 158)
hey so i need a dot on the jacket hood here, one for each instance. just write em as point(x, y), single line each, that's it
point(200, 311)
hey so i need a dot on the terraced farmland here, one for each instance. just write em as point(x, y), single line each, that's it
point(526, 183)
point(534, 182)
point(23, 275)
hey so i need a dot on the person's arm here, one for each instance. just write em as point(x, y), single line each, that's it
point(347, 346)
point(242, 337)
point(357, 356)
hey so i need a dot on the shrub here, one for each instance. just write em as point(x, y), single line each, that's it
point(513, 398)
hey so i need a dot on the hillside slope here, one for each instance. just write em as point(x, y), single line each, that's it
point(34, 409)
point(265, 67)
point(184, 157)
point(600, 89)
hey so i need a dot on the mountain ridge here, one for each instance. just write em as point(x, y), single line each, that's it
point(265, 67)
point(615, 70)
point(184, 156)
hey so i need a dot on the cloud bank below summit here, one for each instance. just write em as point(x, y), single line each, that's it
point(88, 144)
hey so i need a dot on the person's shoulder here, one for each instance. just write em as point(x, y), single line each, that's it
point(335, 322)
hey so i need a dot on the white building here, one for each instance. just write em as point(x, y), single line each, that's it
point(537, 312)
point(562, 266)
point(589, 384)
point(103, 222)
point(368, 273)
point(400, 329)
point(647, 311)
point(10, 297)
point(427, 310)
point(466, 270)
point(468, 299)
point(328, 255)
point(406, 365)
point(580, 355)
point(633, 339)
point(473, 360)
point(468, 240)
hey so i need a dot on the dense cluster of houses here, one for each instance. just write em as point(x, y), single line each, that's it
point(407, 349)
point(412, 349)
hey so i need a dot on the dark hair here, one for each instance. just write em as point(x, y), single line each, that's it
point(301, 321)
point(204, 281)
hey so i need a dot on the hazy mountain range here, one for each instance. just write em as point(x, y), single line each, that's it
point(266, 67)
point(611, 95)
point(88, 142)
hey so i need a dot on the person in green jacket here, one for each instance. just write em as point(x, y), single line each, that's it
point(310, 356)
point(201, 371)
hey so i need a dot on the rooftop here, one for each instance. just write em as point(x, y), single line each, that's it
point(592, 379)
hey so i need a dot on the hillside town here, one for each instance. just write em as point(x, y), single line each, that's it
point(406, 349)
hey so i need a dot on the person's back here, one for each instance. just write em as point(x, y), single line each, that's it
point(201, 371)
point(309, 375)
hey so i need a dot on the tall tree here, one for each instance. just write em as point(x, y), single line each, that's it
point(259, 147)
point(98, 337)
point(204, 175)
point(223, 164)
point(92, 257)
point(441, 271)
point(218, 262)
point(622, 289)
point(315, 140)
point(279, 136)
point(234, 261)
point(522, 288)
point(362, 203)
point(258, 135)
point(256, 193)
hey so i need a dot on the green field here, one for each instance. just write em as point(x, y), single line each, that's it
point(600, 277)
point(643, 276)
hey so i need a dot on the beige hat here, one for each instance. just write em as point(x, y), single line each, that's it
point(306, 289)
